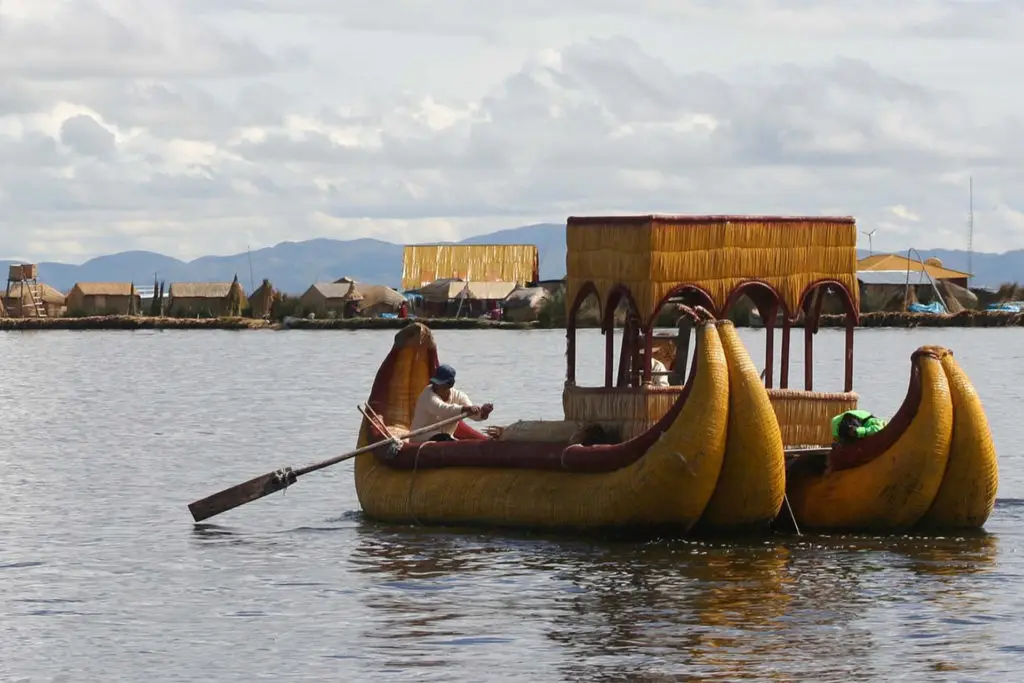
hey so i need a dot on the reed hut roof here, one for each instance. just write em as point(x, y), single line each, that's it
point(894, 262)
point(48, 294)
point(487, 291)
point(442, 290)
point(338, 290)
point(105, 288)
point(265, 286)
point(426, 263)
point(652, 255)
point(526, 297)
point(200, 290)
point(379, 295)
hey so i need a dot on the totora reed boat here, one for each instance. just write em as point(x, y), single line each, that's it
point(705, 446)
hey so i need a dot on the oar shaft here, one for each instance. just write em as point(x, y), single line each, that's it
point(373, 446)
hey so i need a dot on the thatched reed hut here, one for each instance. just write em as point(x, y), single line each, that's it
point(207, 299)
point(523, 304)
point(457, 297)
point(378, 299)
point(426, 263)
point(331, 299)
point(19, 302)
point(103, 298)
point(261, 301)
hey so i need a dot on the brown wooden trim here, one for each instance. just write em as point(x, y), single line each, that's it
point(711, 218)
point(679, 290)
point(808, 345)
point(570, 353)
point(848, 379)
point(769, 346)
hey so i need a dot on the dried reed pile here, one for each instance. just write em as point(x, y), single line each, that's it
point(653, 255)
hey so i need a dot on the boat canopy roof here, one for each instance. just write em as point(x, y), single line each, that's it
point(655, 256)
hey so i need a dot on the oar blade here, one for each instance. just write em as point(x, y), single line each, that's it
point(240, 494)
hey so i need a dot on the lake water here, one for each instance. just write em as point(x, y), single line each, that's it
point(103, 576)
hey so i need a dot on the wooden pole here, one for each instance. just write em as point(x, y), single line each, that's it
point(570, 349)
point(609, 352)
point(769, 346)
point(784, 370)
point(848, 383)
point(648, 354)
point(625, 353)
point(685, 328)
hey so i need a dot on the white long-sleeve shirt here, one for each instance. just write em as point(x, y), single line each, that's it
point(431, 408)
point(658, 380)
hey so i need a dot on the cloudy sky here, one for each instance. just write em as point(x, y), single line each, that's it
point(196, 127)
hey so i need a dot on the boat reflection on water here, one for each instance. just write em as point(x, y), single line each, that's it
point(816, 607)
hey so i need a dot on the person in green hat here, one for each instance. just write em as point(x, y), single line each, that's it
point(854, 425)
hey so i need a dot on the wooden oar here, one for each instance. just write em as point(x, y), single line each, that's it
point(272, 482)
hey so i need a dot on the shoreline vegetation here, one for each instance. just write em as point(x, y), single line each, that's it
point(967, 318)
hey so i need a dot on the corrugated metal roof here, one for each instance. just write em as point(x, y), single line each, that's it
point(889, 262)
point(891, 277)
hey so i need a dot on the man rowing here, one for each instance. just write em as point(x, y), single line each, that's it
point(440, 400)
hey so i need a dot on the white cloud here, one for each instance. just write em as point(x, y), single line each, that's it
point(903, 212)
point(198, 127)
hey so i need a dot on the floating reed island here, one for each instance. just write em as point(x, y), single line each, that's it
point(965, 318)
point(132, 322)
point(399, 323)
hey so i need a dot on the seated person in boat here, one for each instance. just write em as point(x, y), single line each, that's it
point(853, 425)
point(440, 400)
point(659, 373)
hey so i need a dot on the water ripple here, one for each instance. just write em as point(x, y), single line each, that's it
point(106, 578)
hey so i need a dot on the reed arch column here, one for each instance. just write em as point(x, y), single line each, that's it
point(571, 325)
point(768, 303)
point(691, 295)
point(630, 336)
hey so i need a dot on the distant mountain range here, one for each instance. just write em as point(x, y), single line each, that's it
point(294, 266)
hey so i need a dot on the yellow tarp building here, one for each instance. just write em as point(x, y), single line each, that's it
point(425, 263)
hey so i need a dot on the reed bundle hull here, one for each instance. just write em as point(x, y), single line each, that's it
point(752, 483)
point(664, 477)
point(968, 491)
point(932, 467)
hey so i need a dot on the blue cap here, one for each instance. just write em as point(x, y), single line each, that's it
point(445, 374)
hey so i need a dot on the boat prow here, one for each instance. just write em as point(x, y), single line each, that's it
point(889, 480)
point(968, 491)
point(663, 477)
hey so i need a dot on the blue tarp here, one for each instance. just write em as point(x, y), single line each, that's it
point(934, 307)
point(1007, 307)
